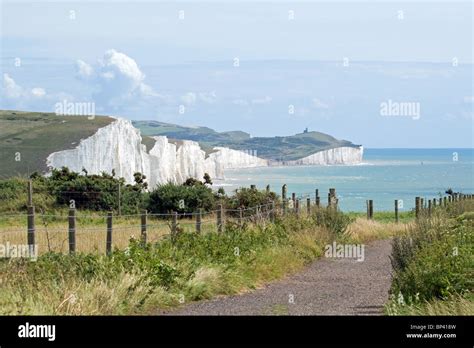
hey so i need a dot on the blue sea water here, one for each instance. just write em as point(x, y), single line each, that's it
point(384, 175)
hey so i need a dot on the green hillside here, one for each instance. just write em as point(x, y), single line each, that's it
point(27, 138)
point(200, 134)
point(285, 148)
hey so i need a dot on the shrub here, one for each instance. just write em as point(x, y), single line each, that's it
point(181, 198)
point(249, 197)
point(96, 192)
point(333, 220)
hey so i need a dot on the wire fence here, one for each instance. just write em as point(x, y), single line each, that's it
point(81, 231)
point(102, 233)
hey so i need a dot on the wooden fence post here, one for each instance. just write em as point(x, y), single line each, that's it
point(332, 199)
point(283, 192)
point(219, 218)
point(30, 192)
point(445, 201)
point(143, 226)
point(241, 216)
point(367, 208)
point(108, 243)
point(422, 204)
point(31, 228)
point(72, 230)
point(267, 188)
point(429, 207)
point(293, 198)
point(371, 209)
point(297, 206)
point(396, 210)
point(417, 207)
point(308, 206)
point(198, 220)
point(316, 195)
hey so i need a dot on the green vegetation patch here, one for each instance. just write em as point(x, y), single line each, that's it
point(434, 263)
point(27, 138)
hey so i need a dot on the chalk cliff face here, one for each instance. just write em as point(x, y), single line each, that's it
point(119, 146)
point(116, 146)
point(339, 155)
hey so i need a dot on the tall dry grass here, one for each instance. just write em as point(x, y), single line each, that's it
point(363, 230)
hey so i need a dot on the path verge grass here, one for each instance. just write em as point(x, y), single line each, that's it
point(433, 264)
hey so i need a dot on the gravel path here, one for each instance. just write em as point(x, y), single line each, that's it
point(326, 287)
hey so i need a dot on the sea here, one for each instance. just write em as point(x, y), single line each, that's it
point(383, 176)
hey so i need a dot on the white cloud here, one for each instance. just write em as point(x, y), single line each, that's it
point(10, 88)
point(189, 98)
point(17, 97)
point(319, 104)
point(38, 92)
point(118, 63)
point(118, 81)
point(84, 70)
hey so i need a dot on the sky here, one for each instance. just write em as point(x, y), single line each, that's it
point(381, 74)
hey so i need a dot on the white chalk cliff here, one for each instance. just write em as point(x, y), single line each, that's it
point(338, 155)
point(118, 146)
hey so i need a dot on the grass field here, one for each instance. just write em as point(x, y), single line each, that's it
point(35, 135)
point(385, 216)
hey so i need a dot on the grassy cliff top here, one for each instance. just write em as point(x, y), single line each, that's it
point(280, 148)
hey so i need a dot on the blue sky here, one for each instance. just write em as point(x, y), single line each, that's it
point(142, 61)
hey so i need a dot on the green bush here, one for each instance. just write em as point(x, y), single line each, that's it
point(96, 192)
point(181, 198)
point(250, 197)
